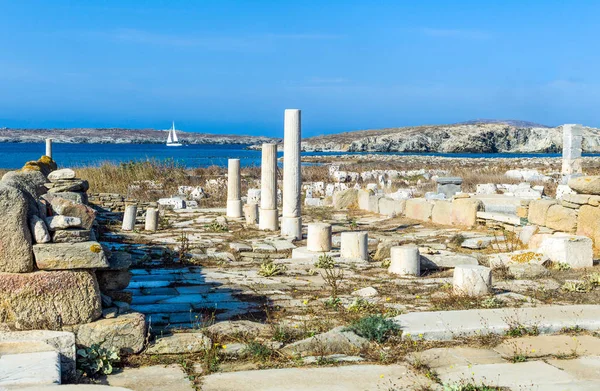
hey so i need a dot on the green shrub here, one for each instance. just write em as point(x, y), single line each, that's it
point(269, 269)
point(325, 262)
point(375, 328)
point(96, 360)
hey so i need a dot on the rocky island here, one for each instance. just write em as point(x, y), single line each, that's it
point(121, 136)
point(489, 136)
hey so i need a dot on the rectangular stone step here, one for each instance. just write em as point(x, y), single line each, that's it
point(447, 325)
point(29, 369)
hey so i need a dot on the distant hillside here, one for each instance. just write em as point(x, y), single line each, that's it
point(122, 136)
point(474, 137)
point(511, 122)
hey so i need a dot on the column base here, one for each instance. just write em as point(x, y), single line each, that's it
point(251, 214)
point(291, 227)
point(268, 219)
point(234, 209)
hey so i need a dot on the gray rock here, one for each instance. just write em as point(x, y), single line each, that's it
point(31, 182)
point(62, 222)
point(69, 185)
point(366, 292)
point(180, 343)
point(235, 328)
point(29, 369)
point(78, 197)
point(113, 280)
point(124, 333)
point(527, 270)
point(335, 341)
point(65, 207)
point(152, 378)
point(65, 173)
point(44, 300)
point(71, 235)
point(16, 255)
point(119, 260)
point(478, 243)
point(39, 230)
point(66, 256)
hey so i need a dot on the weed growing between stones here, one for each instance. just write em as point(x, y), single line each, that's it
point(215, 226)
point(258, 351)
point(325, 262)
point(468, 386)
point(184, 247)
point(96, 360)
point(333, 277)
point(457, 240)
point(375, 328)
point(269, 269)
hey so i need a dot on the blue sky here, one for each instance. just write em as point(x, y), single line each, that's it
point(234, 66)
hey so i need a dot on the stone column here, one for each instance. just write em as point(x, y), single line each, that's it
point(234, 202)
point(572, 137)
point(151, 220)
point(129, 218)
point(354, 245)
point(405, 261)
point(291, 221)
point(251, 213)
point(319, 237)
point(268, 189)
point(49, 147)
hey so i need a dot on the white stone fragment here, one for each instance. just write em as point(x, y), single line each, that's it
point(62, 222)
point(65, 173)
point(575, 251)
point(39, 230)
point(472, 280)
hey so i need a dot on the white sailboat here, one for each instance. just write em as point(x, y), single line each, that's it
point(172, 140)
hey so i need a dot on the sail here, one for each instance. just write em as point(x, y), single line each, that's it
point(169, 139)
point(175, 140)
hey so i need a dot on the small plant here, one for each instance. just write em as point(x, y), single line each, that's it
point(211, 358)
point(258, 351)
point(386, 263)
point(282, 334)
point(593, 279)
point(184, 247)
point(360, 305)
point(464, 386)
point(375, 328)
point(215, 226)
point(333, 302)
point(457, 240)
point(353, 224)
point(325, 262)
point(492, 302)
point(333, 277)
point(269, 269)
point(520, 330)
point(560, 266)
point(577, 286)
point(96, 360)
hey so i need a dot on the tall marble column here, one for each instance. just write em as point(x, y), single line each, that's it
point(571, 156)
point(49, 147)
point(268, 219)
point(291, 221)
point(234, 201)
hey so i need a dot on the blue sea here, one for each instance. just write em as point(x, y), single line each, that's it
point(13, 155)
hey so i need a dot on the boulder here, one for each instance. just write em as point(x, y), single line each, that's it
point(345, 199)
point(48, 300)
point(585, 184)
point(62, 222)
point(464, 211)
point(180, 343)
point(65, 173)
point(31, 182)
point(124, 333)
point(575, 251)
point(78, 197)
point(561, 218)
point(45, 165)
point(16, 255)
point(538, 210)
point(441, 212)
point(72, 235)
point(66, 256)
point(119, 260)
point(39, 230)
point(113, 280)
point(335, 341)
point(390, 207)
point(65, 207)
point(418, 209)
point(588, 223)
point(234, 329)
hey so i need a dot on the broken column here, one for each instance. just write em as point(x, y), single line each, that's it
point(571, 156)
point(234, 201)
point(354, 245)
point(129, 218)
point(268, 189)
point(405, 261)
point(291, 221)
point(251, 214)
point(472, 280)
point(49, 147)
point(319, 237)
point(151, 219)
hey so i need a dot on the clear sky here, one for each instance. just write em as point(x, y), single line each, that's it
point(234, 66)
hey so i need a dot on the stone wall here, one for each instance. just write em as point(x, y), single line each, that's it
point(114, 202)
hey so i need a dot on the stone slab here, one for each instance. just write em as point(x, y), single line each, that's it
point(447, 325)
point(532, 375)
point(446, 357)
point(342, 378)
point(550, 345)
point(583, 368)
point(67, 256)
point(152, 378)
point(28, 369)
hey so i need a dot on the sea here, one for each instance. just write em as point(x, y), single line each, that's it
point(13, 155)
